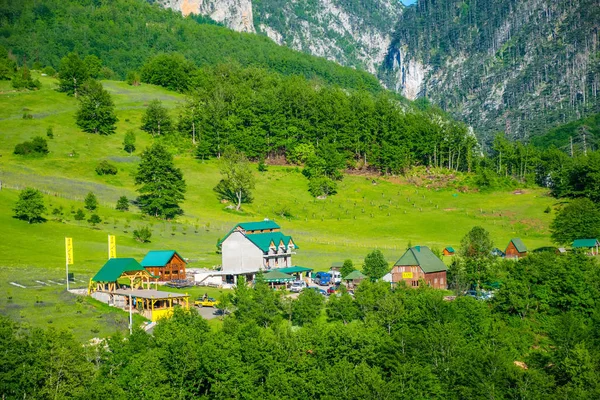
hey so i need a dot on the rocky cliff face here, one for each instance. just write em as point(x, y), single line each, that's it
point(354, 33)
point(236, 14)
point(513, 66)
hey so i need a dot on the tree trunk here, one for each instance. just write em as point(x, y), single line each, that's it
point(193, 132)
point(239, 197)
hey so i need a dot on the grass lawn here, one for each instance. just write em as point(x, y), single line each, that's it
point(365, 214)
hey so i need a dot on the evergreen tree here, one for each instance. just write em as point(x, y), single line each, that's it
point(156, 119)
point(94, 219)
point(162, 185)
point(90, 201)
point(96, 112)
point(375, 265)
point(72, 74)
point(30, 206)
point(123, 204)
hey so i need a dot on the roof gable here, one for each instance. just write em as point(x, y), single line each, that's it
point(585, 243)
point(423, 257)
point(115, 267)
point(159, 258)
point(449, 249)
point(264, 241)
point(519, 245)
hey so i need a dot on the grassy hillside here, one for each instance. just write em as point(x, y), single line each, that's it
point(362, 216)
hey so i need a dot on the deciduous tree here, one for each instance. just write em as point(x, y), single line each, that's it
point(580, 219)
point(238, 180)
point(375, 265)
point(156, 120)
point(30, 206)
point(96, 112)
point(72, 73)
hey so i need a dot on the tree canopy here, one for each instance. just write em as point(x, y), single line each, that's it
point(580, 219)
point(30, 206)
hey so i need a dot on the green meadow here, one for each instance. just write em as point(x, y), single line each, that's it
point(368, 212)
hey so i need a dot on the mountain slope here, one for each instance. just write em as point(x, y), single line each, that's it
point(355, 33)
point(517, 66)
point(124, 33)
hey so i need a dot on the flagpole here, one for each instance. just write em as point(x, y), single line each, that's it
point(67, 262)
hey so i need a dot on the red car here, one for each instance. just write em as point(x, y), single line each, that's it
point(332, 290)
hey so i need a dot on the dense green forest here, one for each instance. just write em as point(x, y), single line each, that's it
point(509, 65)
point(538, 338)
point(124, 33)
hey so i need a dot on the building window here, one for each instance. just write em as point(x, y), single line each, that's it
point(435, 281)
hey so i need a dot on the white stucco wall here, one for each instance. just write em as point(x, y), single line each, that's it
point(239, 255)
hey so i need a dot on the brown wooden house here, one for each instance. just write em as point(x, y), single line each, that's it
point(166, 265)
point(515, 249)
point(448, 251)
point(419, 263)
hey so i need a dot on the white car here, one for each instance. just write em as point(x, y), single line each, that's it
point(336, 276)
point(297, 286)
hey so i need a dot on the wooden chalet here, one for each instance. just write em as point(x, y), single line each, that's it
point(419, 263)
point(166, 265)
point(124, 269)
point(515, 249)
point(448, 251)
point(591, 246)
point(108, 286)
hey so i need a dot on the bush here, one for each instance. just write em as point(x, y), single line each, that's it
point(133, 78)
point(22, 80)
point(49, 133)
point(94, 219)
point(262, 167)
point(322, 186)
point(142, 235)
point(79, 215)
point(37, 146)
point(106, 168)
point(49, 71)
point(123, 204)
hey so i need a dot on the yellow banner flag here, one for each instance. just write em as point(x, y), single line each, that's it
point(112, 246)
point(69, 250)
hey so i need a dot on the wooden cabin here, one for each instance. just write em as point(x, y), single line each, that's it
point(125, 269)
point(419, 263)
point(590, 246)
point(515, 249)
point(448, 251)
point(166, 265)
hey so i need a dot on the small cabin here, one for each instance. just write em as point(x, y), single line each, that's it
point(515, 249)
point(590, 246)
point(419, 263)
point(448, 251)
point(126, 270)
point(166, 265)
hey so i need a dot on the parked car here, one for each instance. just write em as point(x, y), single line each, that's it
point(336, 277)
point(297, 286)
point(323, 279)
point(479, 295)
point(206, 302)
point(333, 289)
point(316, 289)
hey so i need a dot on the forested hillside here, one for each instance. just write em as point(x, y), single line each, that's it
point(514, 66)
point(124, 33)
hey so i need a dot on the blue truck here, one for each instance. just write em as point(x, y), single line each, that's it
point(323, 278)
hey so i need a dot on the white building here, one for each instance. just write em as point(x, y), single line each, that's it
point(254, 246)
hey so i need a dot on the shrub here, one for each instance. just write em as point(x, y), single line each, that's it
point(27, 115)
point(123, 204)
point(262, 167)
point(322, 186)
point(79, 215)
point(91, 203)
point(94, 219)
point(133, 78)
point(106, 168)
point(142, 235)
point(49, 133)
point(37, 146)
point(49, 71)
point(22, 80)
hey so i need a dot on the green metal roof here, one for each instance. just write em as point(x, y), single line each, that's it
point(519, 245)
point(450, 249)
point(423, 257)
point(263, 240)
point(257, 226)
point(354, 275)
point(277, 276)
point(252, 226)
point(337, 264)
point(585, 243)
point(115, 267)
point(159, 258)
point(293, 270)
